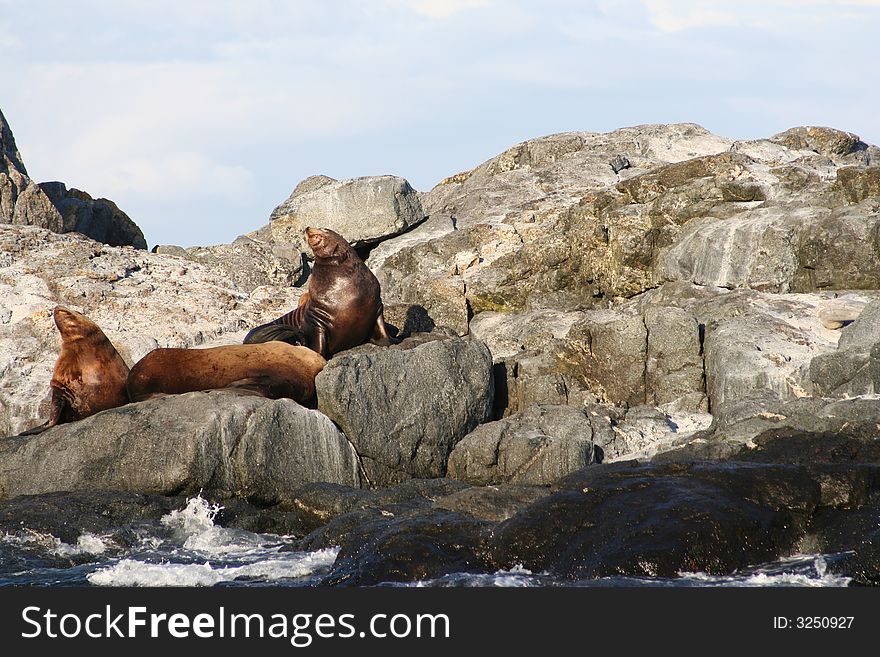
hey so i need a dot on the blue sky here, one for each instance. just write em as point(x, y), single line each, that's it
point(199, 117)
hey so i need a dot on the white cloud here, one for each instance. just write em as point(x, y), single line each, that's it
point(671, 16)
point(676, 16)
point(438, 8)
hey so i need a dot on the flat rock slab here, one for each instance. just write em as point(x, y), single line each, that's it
point(228, 444)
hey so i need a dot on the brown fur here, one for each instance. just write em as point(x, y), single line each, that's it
point(271, 369)
point(342, 307)
point(89, 374)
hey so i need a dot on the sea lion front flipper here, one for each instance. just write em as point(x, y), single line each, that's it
point(280, 332)
point(36, 430)
point(59, 404)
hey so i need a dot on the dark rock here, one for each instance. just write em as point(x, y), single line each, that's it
point(100, 219)
point(68, 515)
point(411, 548)
point(618, 163)
point(351, 511)
point(854, 443)
point(492, 503)
point(852, 536)
point(648, 520)
point(317, 504)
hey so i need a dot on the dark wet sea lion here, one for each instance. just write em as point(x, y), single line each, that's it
point(89, 374)
point(271, 369)
point(342, 307)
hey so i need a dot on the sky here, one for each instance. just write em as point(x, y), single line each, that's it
point(199, 117)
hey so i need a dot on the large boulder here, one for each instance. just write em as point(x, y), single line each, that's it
point(404, 407)
point(535, 447)
point(363, 210)
point(220, 442)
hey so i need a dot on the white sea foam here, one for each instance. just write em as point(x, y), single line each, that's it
point(87, 544)
point(516, 577)
point(799, 570)
point(288, 565)
point(198, 516)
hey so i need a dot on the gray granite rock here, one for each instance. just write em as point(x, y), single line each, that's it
point(535, 447)
point(404, 407)
point(363, 210)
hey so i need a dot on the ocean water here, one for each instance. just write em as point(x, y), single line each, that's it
point(186, 548)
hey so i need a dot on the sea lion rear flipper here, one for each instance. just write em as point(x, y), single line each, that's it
point(380, 331)
point(260, 386)
point(280, 332)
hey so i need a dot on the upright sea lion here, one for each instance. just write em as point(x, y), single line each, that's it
point(272, 369)
point(342, 307)
point(89, 374)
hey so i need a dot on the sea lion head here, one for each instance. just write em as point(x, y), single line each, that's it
point(326, 243)
point(73, 325)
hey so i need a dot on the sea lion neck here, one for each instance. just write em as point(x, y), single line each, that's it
point(335, 260)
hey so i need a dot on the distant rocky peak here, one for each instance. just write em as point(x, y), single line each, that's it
point(53, 207)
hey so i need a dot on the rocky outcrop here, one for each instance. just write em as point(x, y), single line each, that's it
point(404, 407)
point(53, 207)
point(249, 263)
point(100, 219)
point(22, 201)
point(363, 210)
point(549, 222)
point(219, 442)
point(577, 302)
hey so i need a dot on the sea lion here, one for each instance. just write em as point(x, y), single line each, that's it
point(89, 375)
point(342, 307)
point(271, 369)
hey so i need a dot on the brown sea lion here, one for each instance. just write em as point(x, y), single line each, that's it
point(89, 374)
point(342, 307)
point(272, 369)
